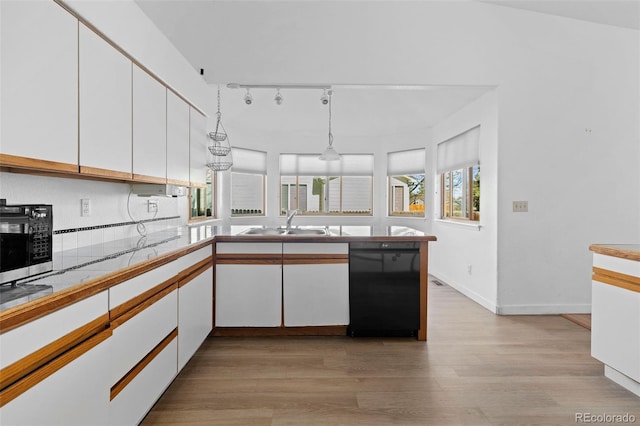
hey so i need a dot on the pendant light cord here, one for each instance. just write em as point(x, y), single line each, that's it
point(330, 135)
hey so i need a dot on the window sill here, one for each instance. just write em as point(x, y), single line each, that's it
point(460, 224)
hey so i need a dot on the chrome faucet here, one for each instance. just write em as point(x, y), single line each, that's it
point(290, 216)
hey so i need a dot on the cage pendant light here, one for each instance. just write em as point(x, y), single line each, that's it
point(219, 147)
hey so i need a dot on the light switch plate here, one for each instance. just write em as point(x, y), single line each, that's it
point(520, 206)
point(85, 207)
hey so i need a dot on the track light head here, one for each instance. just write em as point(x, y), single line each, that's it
point(248, 99)
point(324, 98)
point(279, 98)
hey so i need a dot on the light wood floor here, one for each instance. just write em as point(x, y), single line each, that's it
point(476, 368)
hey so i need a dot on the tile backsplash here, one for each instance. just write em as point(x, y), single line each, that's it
point(114, 211)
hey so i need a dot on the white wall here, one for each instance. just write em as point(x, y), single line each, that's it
point(461, 246)
point(556, 77)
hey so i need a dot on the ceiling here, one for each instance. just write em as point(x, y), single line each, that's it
point(412, 107)
point(619, 13)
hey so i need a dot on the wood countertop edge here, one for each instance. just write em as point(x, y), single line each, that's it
point(615, 251)
point(29, 311)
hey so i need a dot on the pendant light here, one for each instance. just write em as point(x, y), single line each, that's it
point(220, 147)
point(329, 153)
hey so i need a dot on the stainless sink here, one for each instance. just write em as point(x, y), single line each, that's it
point(284, 231)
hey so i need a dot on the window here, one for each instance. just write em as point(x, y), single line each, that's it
point(248, 176)
point(459, 172)
point(405, 176)
point(202, 199)
point(343, 187)
point(461, 194)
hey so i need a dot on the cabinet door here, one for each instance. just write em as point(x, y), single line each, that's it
point(315, 282)
point(248, 295)
point(75, 394)
point(199, 153)
point(39, 80)
point(177, 140)
point(105, 107)
point(316, 294)
point(149, 128)
point(195, 314)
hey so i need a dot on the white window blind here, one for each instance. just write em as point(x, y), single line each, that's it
point(460, 151)
point(249, 161)
point(410, 162)
point(310, 165)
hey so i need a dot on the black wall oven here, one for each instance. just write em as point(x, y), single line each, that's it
point(25, 240)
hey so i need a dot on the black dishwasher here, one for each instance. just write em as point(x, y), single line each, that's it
point(384, 288)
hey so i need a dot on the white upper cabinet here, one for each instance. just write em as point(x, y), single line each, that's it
point(39, 46)
point(198, 142)
point(177, 140)
point(149, 128)
point(105, 107)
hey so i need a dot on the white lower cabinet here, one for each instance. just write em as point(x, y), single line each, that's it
point(316, 294)
point(137, 337)
point(76, 394)
point(195, 314)
point(315, 283)
point(248, 295)
point(131, 405)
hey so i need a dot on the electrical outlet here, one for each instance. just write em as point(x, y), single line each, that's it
point(152, 206)
point(520, 206)
point(85, 207)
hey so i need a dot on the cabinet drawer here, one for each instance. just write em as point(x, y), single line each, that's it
point(256, 248)
point(134, 401)
point(137, 336)
point(72, 389)
point(315, 248)
point(19, 342)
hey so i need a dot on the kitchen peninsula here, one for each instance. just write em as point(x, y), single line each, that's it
point(119, 320)
point(615, 312)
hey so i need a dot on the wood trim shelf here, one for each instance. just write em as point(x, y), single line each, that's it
point(149, 179)
point(106, 173)
point(7, 160)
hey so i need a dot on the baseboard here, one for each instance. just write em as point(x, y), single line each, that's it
point(480, 300)
point(544, 309)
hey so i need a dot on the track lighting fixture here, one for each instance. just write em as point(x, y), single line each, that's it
point(279, 98)
point(248, 99)
point(324, 98)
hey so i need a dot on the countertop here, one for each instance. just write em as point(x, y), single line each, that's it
point(624, 251)
point(82, 272)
